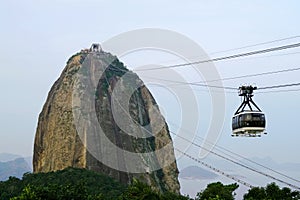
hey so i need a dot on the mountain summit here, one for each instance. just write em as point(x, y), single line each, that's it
point(98, 115)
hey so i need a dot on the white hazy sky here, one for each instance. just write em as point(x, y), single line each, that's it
point(37, 38)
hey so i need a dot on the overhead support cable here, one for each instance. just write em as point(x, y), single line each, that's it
point(240, 156)
point(254, 45)
point(238, 163)
point(225, 79)
point(226, 57)
point(215, 169)
point(231, 160)
point(279, 86)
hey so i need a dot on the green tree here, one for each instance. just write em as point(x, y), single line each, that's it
point(271, 192)
point(57, 192)
point(172, 196)
point(77, 184)
point(27, 194)
point(255, 194)
point(70, 183)
point(217, 191)
point(139, 191)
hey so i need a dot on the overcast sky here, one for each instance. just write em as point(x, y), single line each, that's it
point(37, 38)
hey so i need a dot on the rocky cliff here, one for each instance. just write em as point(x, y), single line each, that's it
point(100, 116)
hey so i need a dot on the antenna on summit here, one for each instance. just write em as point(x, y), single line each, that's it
point(95, 48)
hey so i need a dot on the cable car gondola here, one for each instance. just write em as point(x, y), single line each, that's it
point(250, 123)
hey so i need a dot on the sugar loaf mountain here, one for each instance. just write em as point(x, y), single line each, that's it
point(82, 126)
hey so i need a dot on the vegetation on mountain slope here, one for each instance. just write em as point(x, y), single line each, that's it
point(79, 184)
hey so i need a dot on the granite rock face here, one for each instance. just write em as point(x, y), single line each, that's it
point(100, 116)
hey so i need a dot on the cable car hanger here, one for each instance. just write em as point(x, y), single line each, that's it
point(247, 93)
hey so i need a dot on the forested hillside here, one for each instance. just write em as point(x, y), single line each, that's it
point(74, 183)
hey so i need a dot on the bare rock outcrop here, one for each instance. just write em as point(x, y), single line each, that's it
point(100, 116)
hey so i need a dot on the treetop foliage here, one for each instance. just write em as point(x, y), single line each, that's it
point(79, 184)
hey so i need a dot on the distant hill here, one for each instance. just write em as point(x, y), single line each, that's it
point(16, 168)
point(5, 157)
point(195, 172)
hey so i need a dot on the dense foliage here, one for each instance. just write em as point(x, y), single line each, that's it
point(78, 184)
point(138, 190)
point(215, 191)
point(70, 183)
point(271, 192)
